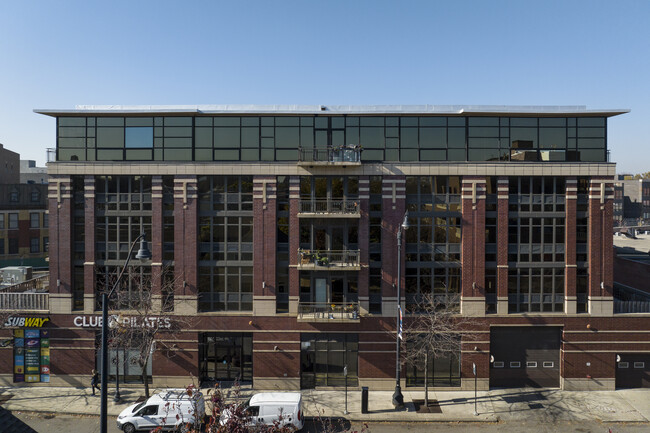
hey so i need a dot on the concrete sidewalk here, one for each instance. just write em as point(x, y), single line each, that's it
point(455, 406)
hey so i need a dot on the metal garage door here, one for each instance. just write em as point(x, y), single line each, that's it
point(633, 371)
point(525, 357)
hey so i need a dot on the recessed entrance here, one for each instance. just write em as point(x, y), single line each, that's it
point(225, 357)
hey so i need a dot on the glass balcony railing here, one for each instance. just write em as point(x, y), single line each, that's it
point(338, 155)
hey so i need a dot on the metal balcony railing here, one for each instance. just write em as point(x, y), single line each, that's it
point(39, 284)
point(25, 301)
point(621, 307)
point(339, 207)
point(339, 155)
point(325, 311)
point(329, 259)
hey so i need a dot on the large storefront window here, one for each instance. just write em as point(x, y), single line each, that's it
point(442, 371)
point(126, 363)
point(225, 357)
point(323, 357)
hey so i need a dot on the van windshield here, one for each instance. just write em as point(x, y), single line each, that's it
point(138, 407)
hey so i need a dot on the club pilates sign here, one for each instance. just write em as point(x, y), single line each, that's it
point(131, 322)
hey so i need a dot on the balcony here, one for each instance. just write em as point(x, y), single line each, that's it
point(329, 209)
point(332, 156)
point(328, 312)
point(25, 301)
point(328, 260)
point(31, 295)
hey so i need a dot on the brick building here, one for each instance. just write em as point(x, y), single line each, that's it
point(24, 233)
point(632, 201)
point(9, 166)
point(278, 226)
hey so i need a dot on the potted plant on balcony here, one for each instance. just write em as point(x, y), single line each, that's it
point(351, 311)
point(306, 257)
point(321, 260)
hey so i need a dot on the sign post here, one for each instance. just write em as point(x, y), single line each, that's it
point(345, 373)
point(475, 382)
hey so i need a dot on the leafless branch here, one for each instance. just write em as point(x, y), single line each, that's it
point(142, 321)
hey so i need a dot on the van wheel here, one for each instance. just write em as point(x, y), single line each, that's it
point(129, 428)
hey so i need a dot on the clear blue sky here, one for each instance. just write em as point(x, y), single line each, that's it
point(58, 54)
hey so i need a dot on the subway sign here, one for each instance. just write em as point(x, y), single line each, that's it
point(26, 322)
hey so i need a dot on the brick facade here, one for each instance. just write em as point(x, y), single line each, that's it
point(589, 341)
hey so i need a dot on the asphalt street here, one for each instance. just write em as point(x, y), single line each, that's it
point(90, 424)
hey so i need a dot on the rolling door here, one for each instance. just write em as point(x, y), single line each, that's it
point(525, 357)
point(633, 371)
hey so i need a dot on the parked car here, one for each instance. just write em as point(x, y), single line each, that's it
point(283, 408)
point(171, 409)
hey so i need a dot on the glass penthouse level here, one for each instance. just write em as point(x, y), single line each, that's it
point(427, 133)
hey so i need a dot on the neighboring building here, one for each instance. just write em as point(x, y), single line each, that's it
point(29, 173)
point(282, 241)
point(632, 205)
point(24, 233)
point(632, 271)
point(9, 166)
point(632, 297)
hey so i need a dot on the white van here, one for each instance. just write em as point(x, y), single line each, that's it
point(170, 409)
point(285, 408)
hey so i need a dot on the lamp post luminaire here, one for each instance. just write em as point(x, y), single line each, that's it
point(398, 398)
point(143, 254)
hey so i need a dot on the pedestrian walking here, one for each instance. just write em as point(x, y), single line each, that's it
point(94, 381)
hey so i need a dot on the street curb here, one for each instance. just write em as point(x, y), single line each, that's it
point(307, 417)
point(498, 419)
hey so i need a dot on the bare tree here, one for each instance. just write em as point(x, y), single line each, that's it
point(433, 330)
point(142, 322)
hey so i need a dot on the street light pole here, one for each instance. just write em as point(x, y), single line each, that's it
point(398, 398)
point(143, 254)
point(116, 397)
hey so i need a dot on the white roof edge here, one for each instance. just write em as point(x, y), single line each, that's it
point(332, 109)
point(285, 397)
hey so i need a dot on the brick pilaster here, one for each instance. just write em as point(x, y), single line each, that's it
point(185, 235)
point(608, 242)
point(60, 252)
point(601, 195)
point(264, 241)
point(473, 246)
point(502, 245)
point(156, 235)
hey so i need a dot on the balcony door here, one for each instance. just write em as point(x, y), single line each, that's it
point(320, 291)
point(330, 237)
point(329, 289)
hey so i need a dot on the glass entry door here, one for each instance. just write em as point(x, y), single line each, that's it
point(323, 357)
point(226, 357)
